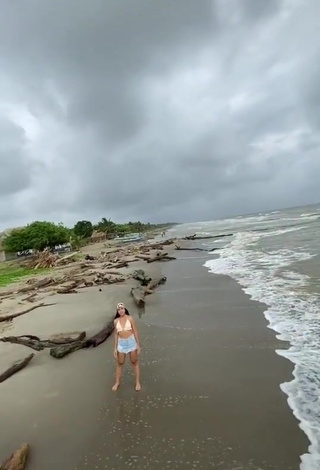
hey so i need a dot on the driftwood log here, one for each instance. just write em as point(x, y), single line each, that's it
point(70, 288)
point(189, 249)
point(157, 257)
point(155, 246)
point(34, 286)
point(138, 294)
point(100, 337)
point(155, 283)
point(140, 276)
point(144, 257)
point(30, 341)
point(11, 316)
point(63, 338)
point(30, 298)
point(114, 280)
point(59, 352)
point(102, 278)
point(18, 365)
point(18, 460)
point(160, 244)
point(205, 237)
point(123, 264)
point(160, 257)
point(37, 344)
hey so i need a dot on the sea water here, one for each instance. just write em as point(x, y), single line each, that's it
point(275, 257)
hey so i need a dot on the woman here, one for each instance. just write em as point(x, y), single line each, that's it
point(126, 341)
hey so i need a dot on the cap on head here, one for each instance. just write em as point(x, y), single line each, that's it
point(120, 305)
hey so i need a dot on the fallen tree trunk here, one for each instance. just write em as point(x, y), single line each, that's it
point(189, 249)
point(70, 289)
point(101, 278)
point(138, 294)
point(144, 257)
point(18, 365)
point(17, 460)
point(161, 257)
point(170, 241)
point(139, 275)
point(36, 285)
point(30, 342)
point(30, 298)
point(115, 280)
point(205, 237)
point(155, 246)
point(37, 344)
point(11, 316)
point(64, 338)
point(155, 283)
point(115, 273)
point(64, 258)
point(42, 283)
point(59, 352)
point(123, 264)
point(100, 337)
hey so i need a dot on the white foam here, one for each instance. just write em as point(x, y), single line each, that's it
point(291, 312)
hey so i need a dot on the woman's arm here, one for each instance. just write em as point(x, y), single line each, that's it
point(135, 332)
point(115, 334)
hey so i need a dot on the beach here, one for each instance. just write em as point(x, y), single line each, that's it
point(210, 396)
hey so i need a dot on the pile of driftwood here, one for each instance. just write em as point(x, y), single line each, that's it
point(63, 344)
point(47, 259)
point(60, 345)
point(87, 273)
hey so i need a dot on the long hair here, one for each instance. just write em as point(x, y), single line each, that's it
point(117, 313)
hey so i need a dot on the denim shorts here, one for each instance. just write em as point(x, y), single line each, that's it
point(127, 345)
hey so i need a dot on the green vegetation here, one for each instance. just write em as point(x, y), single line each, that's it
point(41, 235)
point(38, 236)
point(10, 273)
point(83, 229)
point(112, 229)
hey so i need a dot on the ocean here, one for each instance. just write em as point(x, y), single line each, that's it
point(275, 257)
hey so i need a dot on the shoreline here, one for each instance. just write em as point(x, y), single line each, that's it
point(174, 384)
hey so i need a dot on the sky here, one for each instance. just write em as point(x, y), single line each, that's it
point(159, 110)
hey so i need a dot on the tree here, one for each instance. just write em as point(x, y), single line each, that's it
point(106, 225)
point(16, 241)
point(76, 242)
point(83, 228)
point(37, 236)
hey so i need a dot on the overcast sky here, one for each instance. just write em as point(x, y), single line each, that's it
point(158, 110)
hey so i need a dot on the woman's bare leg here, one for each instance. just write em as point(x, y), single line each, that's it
point(136, 368)
point(121, 361)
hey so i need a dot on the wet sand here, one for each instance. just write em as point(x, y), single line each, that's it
point(210, 376)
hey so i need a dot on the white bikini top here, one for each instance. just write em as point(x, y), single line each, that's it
point(127, 326)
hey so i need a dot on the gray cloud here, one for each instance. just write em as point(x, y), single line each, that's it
point(15, 174)
point(157, 110)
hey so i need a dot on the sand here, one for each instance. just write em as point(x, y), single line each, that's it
point(211, 394)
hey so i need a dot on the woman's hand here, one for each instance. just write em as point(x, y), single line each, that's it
point(115, 352)
point(138, 350)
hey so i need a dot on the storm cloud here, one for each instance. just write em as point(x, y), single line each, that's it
point(159, 111)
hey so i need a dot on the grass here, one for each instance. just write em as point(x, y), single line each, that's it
point(11, 272)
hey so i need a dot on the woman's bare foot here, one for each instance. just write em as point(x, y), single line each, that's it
point(138, 387)
point(115, 387)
